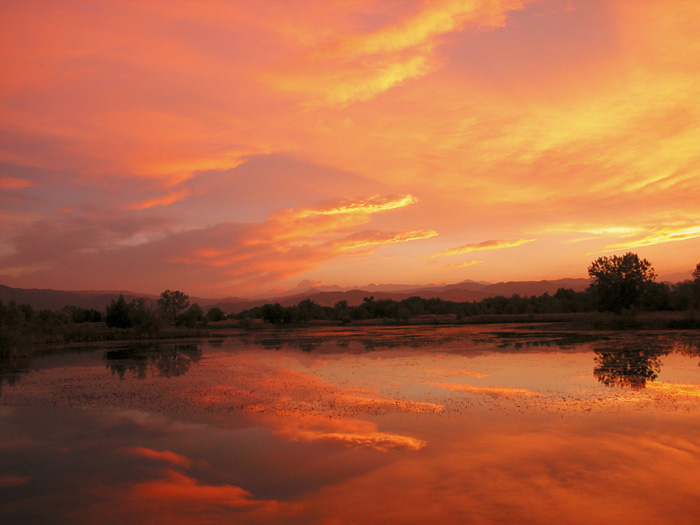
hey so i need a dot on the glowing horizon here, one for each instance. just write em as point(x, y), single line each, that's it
point(235, 148)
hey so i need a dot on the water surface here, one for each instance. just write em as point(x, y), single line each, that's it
point(401, 425)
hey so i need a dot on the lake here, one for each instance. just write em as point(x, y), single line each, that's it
point(465, 424)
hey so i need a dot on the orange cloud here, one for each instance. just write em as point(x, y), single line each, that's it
point(485, 245)
point(13, 183)
point(380, 238)
point(466, 264)
point(165, 200)
point(436, 18)
point(227, 256)
point(359, 66)
point(658, 237)
point(373, 204)
point(162, 455)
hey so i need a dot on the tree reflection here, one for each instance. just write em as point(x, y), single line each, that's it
point(626, 365)
point(12, 368)
point(152, 359)
point(691, 348)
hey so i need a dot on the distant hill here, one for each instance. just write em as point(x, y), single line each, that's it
point(459, 292)
point(42, 299)
point(326, 296)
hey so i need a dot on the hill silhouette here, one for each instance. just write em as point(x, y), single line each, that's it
point(323, 295)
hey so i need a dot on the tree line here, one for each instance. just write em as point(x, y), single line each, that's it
point(172, 308)
point(21, 324)
point(618, 284)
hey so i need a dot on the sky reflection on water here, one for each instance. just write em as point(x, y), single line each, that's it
point(410, 425)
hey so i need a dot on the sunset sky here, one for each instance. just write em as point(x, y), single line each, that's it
point(239, 147)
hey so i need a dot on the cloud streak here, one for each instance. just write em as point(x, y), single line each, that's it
point(658, 237)
point(466, 264)
point(483, 246)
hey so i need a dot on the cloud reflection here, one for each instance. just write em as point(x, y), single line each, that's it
point(303, 407)
point(181, 491)
point(493, 391)
point(162, 455)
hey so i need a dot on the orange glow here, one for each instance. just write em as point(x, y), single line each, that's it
point(258, 132)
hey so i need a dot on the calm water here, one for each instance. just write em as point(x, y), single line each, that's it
point(410, 425)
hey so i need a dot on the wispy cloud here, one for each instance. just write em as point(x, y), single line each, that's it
point(359, 66)
point(465, 264)
point(162, 455)
point(164, 200)
point(482, 246)
point(12, 183)
point(373, 204)
point(658, 237)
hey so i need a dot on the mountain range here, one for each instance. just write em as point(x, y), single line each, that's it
point(325, 295)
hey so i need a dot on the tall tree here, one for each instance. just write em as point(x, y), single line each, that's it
point(171, 303)
point(620, 282)
point(117, 313)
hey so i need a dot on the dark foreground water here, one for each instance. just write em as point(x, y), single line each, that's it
point(410, 425)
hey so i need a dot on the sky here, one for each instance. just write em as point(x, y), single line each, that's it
point(236, 148)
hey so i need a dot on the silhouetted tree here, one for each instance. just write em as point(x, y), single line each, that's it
point(142, 316)
point(83, 315)
point(620, 282)
point(273, 313)
point(191, 317)
point(686, 294)
point(215, 314)
point(117, 314)
point(171, 303)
